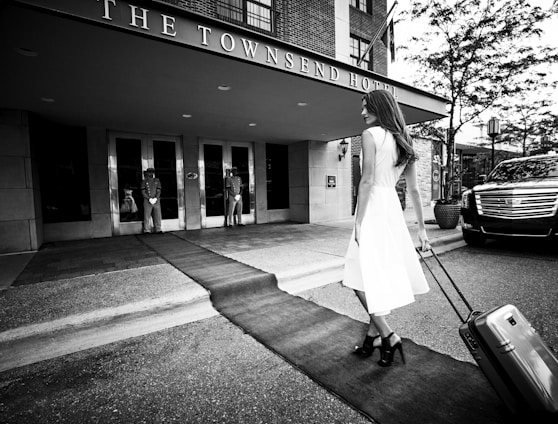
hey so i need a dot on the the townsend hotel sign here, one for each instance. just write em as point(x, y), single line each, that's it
point(200, 35)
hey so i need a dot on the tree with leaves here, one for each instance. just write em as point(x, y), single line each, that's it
point(527, 122)
point(548, 125)
point(474, 52)
point(528, 114)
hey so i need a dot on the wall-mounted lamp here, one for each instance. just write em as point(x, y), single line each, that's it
point(342, 148)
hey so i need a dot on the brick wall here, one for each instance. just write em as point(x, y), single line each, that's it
point(203, 7)
point(423, 148)
point(306, 23)
point(310, 24)
point(209, 8)
point(365, 25)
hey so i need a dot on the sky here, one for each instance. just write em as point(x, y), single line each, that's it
point(400, 70)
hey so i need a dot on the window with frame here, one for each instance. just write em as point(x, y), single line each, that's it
point(257, 14)
point(362, 5)
point(358, 47)
point(61, 153)
point(277, 176)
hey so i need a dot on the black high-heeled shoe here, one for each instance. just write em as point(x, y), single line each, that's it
point(387, 351)
point(368, 346)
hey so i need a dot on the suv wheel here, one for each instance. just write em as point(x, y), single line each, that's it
point(473, 238)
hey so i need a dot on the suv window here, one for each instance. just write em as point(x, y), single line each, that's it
point(525, 169)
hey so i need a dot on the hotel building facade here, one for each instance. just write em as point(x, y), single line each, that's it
point(93, 92)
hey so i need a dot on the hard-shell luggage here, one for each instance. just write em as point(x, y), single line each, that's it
point(514, 358)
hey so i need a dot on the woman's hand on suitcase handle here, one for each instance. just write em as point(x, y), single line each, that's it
point(423, 240)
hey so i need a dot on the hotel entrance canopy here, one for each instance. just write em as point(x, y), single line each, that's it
point(150, 67)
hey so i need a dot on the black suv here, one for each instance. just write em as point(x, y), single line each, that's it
point(518, 198)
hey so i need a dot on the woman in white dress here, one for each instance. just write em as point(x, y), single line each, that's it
point(381, 263)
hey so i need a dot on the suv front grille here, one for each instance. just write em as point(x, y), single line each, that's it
point(518, 203)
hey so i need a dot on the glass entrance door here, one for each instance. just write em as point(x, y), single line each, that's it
point(216, 159)
point(129, 156)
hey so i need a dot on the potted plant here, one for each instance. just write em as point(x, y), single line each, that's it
point(447, 213)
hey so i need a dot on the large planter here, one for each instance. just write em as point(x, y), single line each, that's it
point(447, 214)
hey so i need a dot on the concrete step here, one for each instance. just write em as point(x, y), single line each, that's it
point(30, 345)
point(37, 342)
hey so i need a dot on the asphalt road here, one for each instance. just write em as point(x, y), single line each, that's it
point(211, 372)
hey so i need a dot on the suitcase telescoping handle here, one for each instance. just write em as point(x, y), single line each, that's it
point(451, 281)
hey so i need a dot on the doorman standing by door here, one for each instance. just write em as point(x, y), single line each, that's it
point(151, 192)
point(226, 196)
point(233, 186)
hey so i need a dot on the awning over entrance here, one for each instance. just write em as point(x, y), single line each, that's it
point(158, 69)
point(472, 149)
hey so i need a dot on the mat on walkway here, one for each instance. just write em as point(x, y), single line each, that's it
point(431, 388)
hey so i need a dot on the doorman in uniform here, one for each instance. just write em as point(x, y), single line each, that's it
point(234, 188)
point(151, 192)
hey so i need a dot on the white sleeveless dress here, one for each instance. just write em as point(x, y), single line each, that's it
point(385, 264)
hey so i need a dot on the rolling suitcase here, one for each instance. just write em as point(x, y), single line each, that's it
point(513, 357)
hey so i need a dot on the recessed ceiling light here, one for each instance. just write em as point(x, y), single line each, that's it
point(24, 51)
point(224, 87)
point(252, 124)
point(47, 99)
point(186, 115)
point(302, 104)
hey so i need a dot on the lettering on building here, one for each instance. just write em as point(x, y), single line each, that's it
point(216, 40)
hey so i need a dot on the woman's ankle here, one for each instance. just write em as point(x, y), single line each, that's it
point(393, 338)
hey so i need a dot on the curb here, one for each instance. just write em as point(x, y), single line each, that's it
point(20, 351)
point(181, 297)
point(37, 342)
point(306, 278)
point(447, 243)
point(302, 279)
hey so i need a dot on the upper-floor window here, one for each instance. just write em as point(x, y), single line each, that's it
point(364, 5)
point(259, 14)
point(358, 47)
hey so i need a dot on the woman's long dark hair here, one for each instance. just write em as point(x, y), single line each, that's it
point(382, 104)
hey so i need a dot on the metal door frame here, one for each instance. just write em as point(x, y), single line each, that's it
point(147, 160)
point(219, 221)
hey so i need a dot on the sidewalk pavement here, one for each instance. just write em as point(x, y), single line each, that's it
point(65, 313)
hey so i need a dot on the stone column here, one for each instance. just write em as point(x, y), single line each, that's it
point(21, 225)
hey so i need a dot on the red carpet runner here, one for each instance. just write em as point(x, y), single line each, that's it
point(430, 388)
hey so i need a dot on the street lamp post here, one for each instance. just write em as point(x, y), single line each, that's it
point(493, 131)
